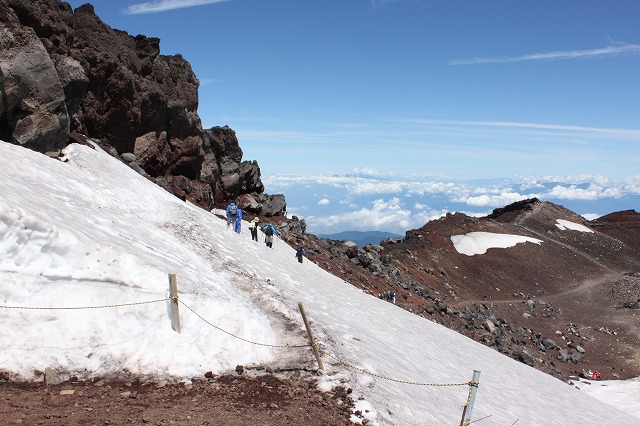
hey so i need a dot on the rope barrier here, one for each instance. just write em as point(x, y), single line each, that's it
point(238, 337)
point(83, 307)
point(371, 373)
point(177, 300)
point(315, 345)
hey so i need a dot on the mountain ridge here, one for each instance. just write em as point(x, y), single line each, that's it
point(569, 289)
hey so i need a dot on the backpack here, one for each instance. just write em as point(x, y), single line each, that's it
point(233, 210)
point(268, 230)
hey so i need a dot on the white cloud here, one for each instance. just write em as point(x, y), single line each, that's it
point(593, 192)
point(592, 216)
point(630, 134)
point(383, 215)
point(494, 200)
point(424, 200)
point(324, 202)
point(422, 217)
point(369, 171)
point(625, 49)
point(376, 187)
point(164, 5)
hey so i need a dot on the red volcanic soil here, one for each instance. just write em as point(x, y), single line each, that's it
point(567, 304)
point(225, 400)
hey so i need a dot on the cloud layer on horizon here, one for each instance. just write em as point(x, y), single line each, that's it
point(394, 204)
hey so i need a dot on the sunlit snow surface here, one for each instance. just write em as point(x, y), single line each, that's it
point(479, 242)
point(90, 232)
point(568, 225)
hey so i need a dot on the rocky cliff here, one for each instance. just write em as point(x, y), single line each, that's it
point(65, 73)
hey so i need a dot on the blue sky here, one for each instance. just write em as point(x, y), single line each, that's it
point(482, 95)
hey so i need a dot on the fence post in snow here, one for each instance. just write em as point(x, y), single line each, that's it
point(468, 408)
point(314, 347)
point(173, 295)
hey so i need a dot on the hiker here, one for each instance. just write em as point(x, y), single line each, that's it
point(269, 230)
point(238, 223)
point(391, 296)
point(232, 214)
point(253, 227)
point(300, 253)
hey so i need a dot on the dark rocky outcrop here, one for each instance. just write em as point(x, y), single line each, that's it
point(513, 208)
point(64, 71)
point(33, 112)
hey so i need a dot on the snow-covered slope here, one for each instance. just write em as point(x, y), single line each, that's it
point(90, 232)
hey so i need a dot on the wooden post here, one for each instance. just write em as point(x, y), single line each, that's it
point(468, 408)
point(173, 295)
point(311, 340)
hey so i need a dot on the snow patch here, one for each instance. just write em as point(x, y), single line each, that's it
point(479, 242)
point(567, 225)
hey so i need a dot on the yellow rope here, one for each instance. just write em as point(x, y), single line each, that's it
point(355, 367)
point(82, 307)
point(176, 300)
point(238, 337)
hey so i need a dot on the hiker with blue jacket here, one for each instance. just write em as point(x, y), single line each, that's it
point(232, 214)
point(269, 230)
point(238, 223)
point(300, 254)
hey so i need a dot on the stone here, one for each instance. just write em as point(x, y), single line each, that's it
point(128, 157)
point(548, 343)
point(525, 357)
point(51, 377)
point(489, 326)
point(575, 356)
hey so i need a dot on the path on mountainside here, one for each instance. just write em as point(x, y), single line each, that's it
point(581, 289)
point(584, 287)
